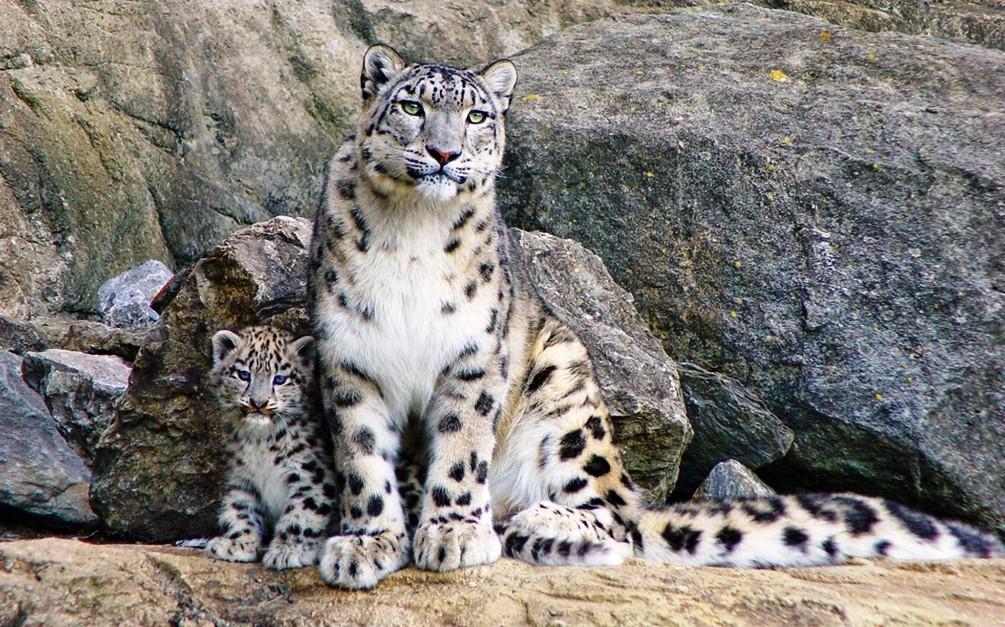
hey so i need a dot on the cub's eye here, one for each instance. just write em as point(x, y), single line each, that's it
point(476, 117)
point(279, 379)
point(244, 375)
point(411, 107)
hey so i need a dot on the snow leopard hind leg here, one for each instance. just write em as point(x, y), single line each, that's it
point(567, 499)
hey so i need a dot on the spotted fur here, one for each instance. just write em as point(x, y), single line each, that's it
point(280, 487)
point(434, 347)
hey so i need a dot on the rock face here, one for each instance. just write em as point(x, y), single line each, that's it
point(730, 423)
point(55, 582)
point(793, 211)
point(158, 472)
point(639, 380)
point(124, 300)
point(731, 480)
point(39, 473)
point(80, 392)
point(130, 132)
point(973, 21)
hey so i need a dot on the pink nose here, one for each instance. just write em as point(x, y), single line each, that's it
point(443, 157)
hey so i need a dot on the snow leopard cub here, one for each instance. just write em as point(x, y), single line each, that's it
point(280, 483)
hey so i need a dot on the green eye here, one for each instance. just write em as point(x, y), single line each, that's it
point(411, 107)
point(476, 117)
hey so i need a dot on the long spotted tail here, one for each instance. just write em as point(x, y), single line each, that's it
point(804, 530)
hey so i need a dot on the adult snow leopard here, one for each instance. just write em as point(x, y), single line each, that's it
point(433, 346)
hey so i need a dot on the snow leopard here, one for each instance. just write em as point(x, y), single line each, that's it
point(280, 486)
point(433, 345)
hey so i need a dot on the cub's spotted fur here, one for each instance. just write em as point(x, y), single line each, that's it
point(280, 484)
point(435, 351)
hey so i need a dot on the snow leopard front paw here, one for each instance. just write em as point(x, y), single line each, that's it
point(283, 555)
point(359, 562)
point(242, 549)
point(452, 545)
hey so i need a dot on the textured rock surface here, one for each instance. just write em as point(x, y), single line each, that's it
point(17, 337)
point(39, 473)
point(87, 336)
point(131, 131)
point(80, 391)
point(971, 21)
point(977, 21)
point(729, 423)
point(639, 380)
point(819, 218)
point(59, 582)
point(124, 300)
point(730, 480)
point(158, 469)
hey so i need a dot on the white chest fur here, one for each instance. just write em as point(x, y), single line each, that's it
point(261, 470)
point(407, 280)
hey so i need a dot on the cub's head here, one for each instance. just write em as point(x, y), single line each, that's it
point(430, 129)
point(262, 375)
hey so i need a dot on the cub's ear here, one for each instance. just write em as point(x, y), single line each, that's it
point(380, 64)
point(224, 343)
point(500, 76)
point(301, 351)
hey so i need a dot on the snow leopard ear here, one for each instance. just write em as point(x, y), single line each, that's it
point(301, 351)
point(500, 76)
point(380, 64)
point(224, 343)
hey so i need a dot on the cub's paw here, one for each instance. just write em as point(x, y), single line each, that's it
point(359, 562)
point(243, 549)
point(283, 555)
point(452, 545)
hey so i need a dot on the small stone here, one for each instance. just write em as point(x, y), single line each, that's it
point(124, 300)
point(731, 480)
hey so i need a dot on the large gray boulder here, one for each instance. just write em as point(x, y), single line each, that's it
point(80, 391)
point(159, 467)
point(40, 474)
point(819, 218)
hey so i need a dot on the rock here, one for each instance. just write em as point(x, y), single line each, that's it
point(731, 480)
point(639, 380)
point(730, 423)
point(428, 30)
point(129, 133)
point(55, 581)
point(18, 337)
point(972, 21)
point(818, 218)
point(979, 22)
point(124, 300)
point(88, 336)
point(158, 470)
point(80, 392)
point(40, 474)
